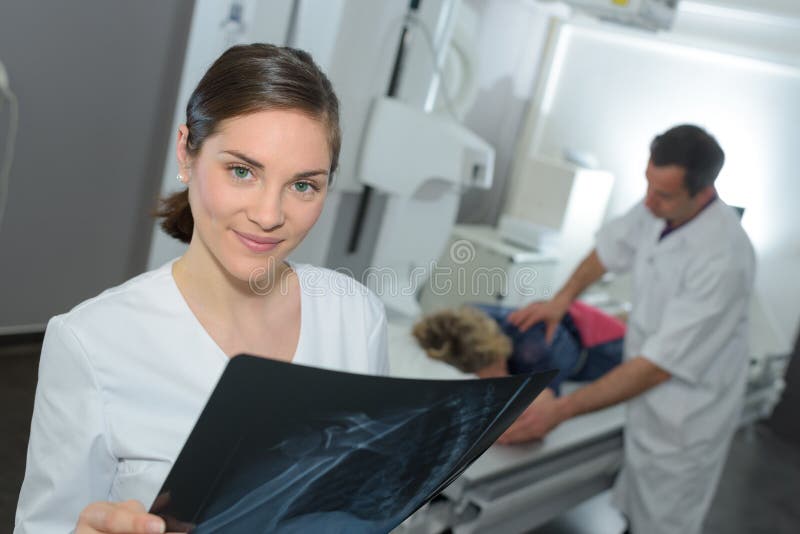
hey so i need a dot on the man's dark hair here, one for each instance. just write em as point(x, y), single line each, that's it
point(692, 148)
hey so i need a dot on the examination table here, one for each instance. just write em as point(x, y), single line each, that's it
point(513, 489)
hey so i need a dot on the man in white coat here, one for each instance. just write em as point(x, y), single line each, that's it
point(685, 366)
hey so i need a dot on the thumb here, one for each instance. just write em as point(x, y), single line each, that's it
point(132, 505)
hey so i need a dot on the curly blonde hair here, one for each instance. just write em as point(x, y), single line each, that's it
point(464, 337)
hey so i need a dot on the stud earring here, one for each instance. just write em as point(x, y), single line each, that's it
point(181, 180)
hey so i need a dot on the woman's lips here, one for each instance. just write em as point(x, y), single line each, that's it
point(257, 243)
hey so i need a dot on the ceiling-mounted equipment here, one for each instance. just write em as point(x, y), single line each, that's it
point(648, 14)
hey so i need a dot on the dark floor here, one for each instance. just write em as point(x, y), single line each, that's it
point(18, 368)
point(759, 491)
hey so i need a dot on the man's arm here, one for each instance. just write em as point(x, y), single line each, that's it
point(626, 381)
point(589, 271)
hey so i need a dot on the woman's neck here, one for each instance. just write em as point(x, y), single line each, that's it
point(204, 280)
point(238, 317)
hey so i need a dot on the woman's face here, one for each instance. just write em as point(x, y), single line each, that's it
point(256, 188)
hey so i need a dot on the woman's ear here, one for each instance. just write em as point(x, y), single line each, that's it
point(182, 151)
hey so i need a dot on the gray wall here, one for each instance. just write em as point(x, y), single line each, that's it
point(96, 82)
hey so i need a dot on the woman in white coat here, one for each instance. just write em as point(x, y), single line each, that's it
point(123, 376)
point(685, 348)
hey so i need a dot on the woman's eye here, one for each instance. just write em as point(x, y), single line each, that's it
point(241, 173)
point(307, 189)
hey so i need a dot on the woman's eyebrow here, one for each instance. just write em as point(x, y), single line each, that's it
point(241, 156)
point(311, 174)
point(260, 166)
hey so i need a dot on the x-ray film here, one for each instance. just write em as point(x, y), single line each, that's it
point(285, 448)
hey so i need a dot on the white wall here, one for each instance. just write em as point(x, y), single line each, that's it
point(510, 42)
point(612, 89)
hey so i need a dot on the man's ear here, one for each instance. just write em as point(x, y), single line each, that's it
point(706, 194)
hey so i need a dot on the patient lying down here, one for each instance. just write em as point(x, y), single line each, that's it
point(479, 339)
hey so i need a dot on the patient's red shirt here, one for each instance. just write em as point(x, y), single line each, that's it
point(594, 326)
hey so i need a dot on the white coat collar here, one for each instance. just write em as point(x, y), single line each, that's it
point(697, 231)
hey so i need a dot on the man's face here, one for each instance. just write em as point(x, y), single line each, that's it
point(667, 196)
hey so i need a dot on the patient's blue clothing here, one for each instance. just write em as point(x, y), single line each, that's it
point(531, 353)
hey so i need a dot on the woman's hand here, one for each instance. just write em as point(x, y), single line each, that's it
point(127, 517)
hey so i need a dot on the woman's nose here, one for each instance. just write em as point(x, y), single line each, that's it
point(267, 210)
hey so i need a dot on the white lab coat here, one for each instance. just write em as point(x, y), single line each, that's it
point(690, 304)
point(124, 376)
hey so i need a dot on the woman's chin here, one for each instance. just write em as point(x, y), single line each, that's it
point(262, 275)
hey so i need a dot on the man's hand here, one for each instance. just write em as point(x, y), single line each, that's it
point(627, 380)
point(127, 517)
point(549, 311)
point(536, 421)
point(552, 311)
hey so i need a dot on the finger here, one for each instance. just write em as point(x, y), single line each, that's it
point(518, 316)
point(512, 432)
point(176, 526)
point(138, 508)
point(527, 427)
point(515, 316)
point(504, 437)
point(511, 436)
point(550, 331)
point(128, 517)
point(528, 322)
point(124, 518)
point(521, 434)
point(133, 506)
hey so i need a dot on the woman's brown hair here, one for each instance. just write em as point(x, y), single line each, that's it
point(465, 338)
point(247, 79)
